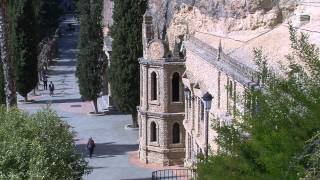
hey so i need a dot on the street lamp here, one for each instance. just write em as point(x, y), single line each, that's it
point(207, 99)
point(187, 92)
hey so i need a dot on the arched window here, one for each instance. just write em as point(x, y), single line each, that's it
point(154, 88)
point(175, 87)
point(153, 131)
point(176, 133)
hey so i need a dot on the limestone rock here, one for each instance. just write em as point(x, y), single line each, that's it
point(237, 14)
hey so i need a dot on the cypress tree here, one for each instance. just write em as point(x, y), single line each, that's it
point(126, 49)
point(7, 63)
point(47, 15)
point(2, 93)
point(90, 56)
point(23, 44)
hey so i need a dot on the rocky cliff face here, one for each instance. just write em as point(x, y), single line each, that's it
point(174, 17)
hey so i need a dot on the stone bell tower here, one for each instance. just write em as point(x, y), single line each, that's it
point(161, 110)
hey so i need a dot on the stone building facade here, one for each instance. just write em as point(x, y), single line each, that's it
point(161, 111)
point(174, 119)
point(211, 71)
point(212, 52)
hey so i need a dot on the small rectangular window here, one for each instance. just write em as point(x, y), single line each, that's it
point(201, 110)
point(228, 96)
point(234, 98)
point(219, 88)
point(230, 87)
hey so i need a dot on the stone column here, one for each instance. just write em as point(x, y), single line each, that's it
point(165, 90)
point(187, 146)
point(192, 113)
point(164, 140)
point(165, 134)
point(143, 139)
point(145, 87)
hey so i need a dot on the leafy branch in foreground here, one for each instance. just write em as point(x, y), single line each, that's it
point(38, 146)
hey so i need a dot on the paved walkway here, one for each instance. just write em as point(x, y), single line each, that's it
point(115, 156)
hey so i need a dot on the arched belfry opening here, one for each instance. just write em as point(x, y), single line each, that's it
point(175, 87)
point(154, 86)
point(176, 133)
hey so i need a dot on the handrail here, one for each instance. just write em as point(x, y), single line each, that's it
point(174, 174)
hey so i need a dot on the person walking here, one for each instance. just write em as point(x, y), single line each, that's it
point(51, 88)
point(45, 81)
point(90, 146)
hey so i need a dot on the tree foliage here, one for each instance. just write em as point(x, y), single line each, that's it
point(126, 49)
point(47, 14)
point(7, 63)
point(37, 146)
point(91, 59)
point(2, 93)
point(287, 117)
point(311, 158)
point(23, 44)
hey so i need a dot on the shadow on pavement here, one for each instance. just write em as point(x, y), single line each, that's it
point(138, 179)
point(115, 113)
point(64, 63)
point(61, 72)
point(104, 150)
point(55, 101)
point(93, 167)
point(64, 88)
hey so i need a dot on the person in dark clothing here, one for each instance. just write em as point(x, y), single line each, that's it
point(90, 146)
point(51, 88)
point(45, 82)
